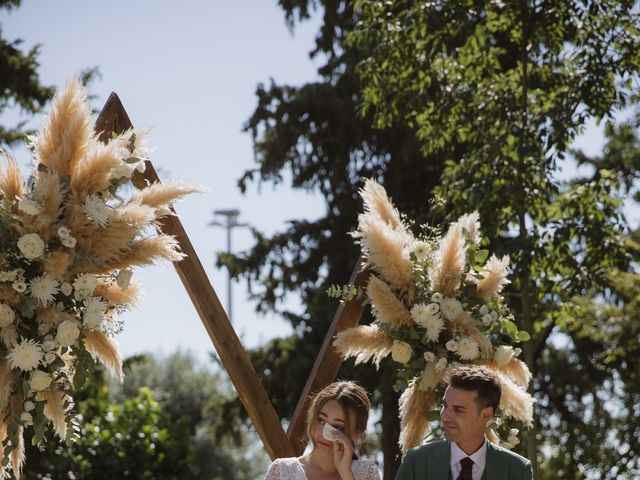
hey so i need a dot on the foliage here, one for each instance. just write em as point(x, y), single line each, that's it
point(501, 89)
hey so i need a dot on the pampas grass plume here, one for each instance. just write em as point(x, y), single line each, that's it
point(414, 405)
point(387, 307)
point(495, 277)
point(104, 349)
point(379, 205)
point(449, 261)
point(364, 342)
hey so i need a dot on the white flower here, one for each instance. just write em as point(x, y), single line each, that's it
point(26, 418)
point(29, 207)
point(64, 232)
point(471, 224)
point(44, 288)
point(66, 288)
point(8, 276)
point(503, 355)
point(421, 250)
point(31, 245)
point(39, 380)
point(68, 242)
point(506, 445)
point(434, 325)
point(48, 345)
point(49, 358)
point(440, 365)
point(7, 315)
point(43, 329)
point(468, 349)
point(96, 210)
point(124, 278)
point(29, 405)
point(514, 432)
point(451, 308)
point(124, 170)
point(487, 319)
point(437, 297)
point(68, 333)
point(429, 356)
point(483, 310)
point(84, 284)
point(19, 286)
point(141, 166)
point(94, 313)
point(451, 345)
point(26, 355)
point(401, 352)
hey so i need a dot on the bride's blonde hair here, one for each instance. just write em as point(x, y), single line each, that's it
point(353, 399)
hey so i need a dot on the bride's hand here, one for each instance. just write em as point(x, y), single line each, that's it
point(342, 456)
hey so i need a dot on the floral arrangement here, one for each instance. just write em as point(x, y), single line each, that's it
point(437, 304)
point(68, 242)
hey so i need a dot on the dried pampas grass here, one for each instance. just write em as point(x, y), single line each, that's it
point(67, 131)
point(11, 184)
point(54, 409)
point(495, 277)
point(414, 405)
point(449, 261)
point(105, 349)
point(159, 195)
point(516, 370)
point(364, 343)
point(387, 251)
point(378, 204)
point(387, 307)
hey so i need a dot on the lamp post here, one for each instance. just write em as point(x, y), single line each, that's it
point(230, 222)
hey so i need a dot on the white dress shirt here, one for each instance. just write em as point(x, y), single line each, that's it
point(479, 458)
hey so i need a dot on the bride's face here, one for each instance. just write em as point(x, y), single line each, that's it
point(332, 413)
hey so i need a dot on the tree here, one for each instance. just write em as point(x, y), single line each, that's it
point(19, 81)
point(315, 133)
point(500, 89)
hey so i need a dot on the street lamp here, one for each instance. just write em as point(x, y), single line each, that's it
point(230, 222)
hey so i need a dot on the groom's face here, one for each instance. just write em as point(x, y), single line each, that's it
point(462, 419)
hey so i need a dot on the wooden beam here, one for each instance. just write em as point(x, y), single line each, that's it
point(328, 361)
point(114, 118)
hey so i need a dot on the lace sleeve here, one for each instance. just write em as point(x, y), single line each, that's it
point(372, 472)
point(274, 471)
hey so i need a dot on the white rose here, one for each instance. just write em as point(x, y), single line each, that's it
point(68, 242)
point(441, 365)
point(483, 310)
point(39, 380)
point(64, 232)
point(503, 355)
point(401, 352)
point(43, 329)
point(19, 286)
point(451, 308)
point(29, 405)
point(433, 308)
point(123, 279)
point(49, 358)
point(26, 418)
point(66, 288)
point(68, 333)
point(7, 315)
point(437, 297)
point(451, 345)
point(31, 245)
point(29, 207)
point(487, 319)
point(429, 356)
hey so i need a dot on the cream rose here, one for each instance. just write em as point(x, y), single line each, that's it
point(401, 352)
point(68, 333)
point(7, 315)
point(451, 308)
point(31, 245)
point(39, 380)
point(503, 355)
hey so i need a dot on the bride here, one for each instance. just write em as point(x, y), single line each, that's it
point(337, 416)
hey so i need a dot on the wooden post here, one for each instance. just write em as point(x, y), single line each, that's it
point(327, 364)
point(114, 118)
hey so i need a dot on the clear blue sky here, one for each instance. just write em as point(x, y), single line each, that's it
point(188, 70)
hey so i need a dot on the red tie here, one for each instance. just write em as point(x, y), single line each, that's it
point(467, 467)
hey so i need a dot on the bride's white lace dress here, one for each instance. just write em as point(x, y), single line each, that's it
point(291, 469)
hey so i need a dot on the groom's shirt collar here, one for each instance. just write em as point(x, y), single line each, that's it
point(479, 458)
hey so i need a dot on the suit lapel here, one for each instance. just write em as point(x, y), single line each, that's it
point(438, 465)
point(496, 468)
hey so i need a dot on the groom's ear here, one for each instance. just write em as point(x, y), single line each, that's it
point(486, 413)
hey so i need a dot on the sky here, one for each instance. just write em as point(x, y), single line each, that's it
point(189, 71)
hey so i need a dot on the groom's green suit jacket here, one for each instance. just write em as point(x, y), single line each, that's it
point(431, 462)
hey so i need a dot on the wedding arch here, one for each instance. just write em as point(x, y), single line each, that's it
point(114, 119)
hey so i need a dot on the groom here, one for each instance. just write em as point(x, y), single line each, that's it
point(469, 401)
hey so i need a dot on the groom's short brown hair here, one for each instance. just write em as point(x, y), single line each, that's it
point(479, 380)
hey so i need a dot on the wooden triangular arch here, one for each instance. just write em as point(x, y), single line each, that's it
point(114, 118)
